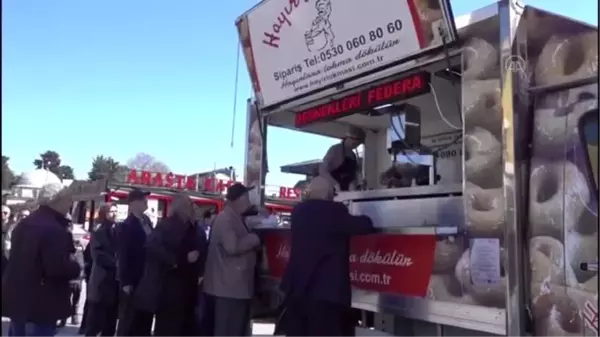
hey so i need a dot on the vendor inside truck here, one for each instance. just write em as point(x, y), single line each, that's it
point(340, 164)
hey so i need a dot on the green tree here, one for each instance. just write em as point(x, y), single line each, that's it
point(8, 175)
point(66, 172)
point(50, 160)
point(105, 167)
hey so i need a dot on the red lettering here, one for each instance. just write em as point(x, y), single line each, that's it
point(289, 192)
point(169, 180)
point(280, 21)
point(190, 183)
point(273, 40)
point(385, 93)
point(282, 192)
point(220, 186)
point(132, 178)
point(180, 180)
point(208, 184)
point(146, 178)
point(158, 180)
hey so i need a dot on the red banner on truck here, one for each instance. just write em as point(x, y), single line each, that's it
point(398, 264)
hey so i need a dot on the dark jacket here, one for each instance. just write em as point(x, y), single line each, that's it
point(319, 267)
point(35, 284)
point(103, 286)
point(87, 262)
point(131, 250)
point(78, 256)
point(170, 282)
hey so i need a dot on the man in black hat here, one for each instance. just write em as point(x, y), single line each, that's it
point(131, 259)
point(230, 266)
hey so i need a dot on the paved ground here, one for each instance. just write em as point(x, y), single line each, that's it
point(70, 330)
point(257, 329)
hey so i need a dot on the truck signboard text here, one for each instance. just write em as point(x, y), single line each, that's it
point(398, 89)
point(398, 264)
point(297, 47)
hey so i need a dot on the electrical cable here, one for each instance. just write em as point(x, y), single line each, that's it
point(444, 36)
point(439, 109)
point(235, 93)
point(444, 119)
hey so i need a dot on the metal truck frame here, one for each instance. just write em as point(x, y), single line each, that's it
point(525, 194)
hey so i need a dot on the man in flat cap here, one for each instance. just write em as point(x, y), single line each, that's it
point(131, 259)
point(340, 166)
point(317, 278)
point(230, 266)
point(35, 286)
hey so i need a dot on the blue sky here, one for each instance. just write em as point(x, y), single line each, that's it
point(117, 77)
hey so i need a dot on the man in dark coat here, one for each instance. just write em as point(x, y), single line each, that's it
point(170, 283)
point(87, 271)
point(131, 259)
point(6, 225)
point(76, 284)
point(103, 288)
point(317, 279)
point(35, 286)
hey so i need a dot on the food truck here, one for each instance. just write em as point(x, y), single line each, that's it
point(498, 108)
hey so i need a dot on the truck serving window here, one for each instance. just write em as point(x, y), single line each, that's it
point(588, 129)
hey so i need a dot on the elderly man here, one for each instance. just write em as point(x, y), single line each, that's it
point(35, 286)
point(131, 259)
point(174, 261)
point(102, 287)
point(317, 278)
point(5, 236)
point(230, 266)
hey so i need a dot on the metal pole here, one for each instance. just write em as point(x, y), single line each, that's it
point(515, 179)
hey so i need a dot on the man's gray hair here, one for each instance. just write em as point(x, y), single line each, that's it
point(180, 204)
point(319, 188)
point(52, 192)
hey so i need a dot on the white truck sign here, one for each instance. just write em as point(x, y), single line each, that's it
point(295, 47)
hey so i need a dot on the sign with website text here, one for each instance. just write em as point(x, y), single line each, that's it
point(295, 47)
point(399, 89)
point(398, 264)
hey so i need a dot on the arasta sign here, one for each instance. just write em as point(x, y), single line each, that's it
point(404, 88)
point(166, 180)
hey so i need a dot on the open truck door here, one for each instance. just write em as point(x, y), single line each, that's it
point(502, 238)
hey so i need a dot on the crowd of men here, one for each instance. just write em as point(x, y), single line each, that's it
point(181, 278)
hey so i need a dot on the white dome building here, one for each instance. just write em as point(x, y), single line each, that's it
point(30, 183)
point(38, 178)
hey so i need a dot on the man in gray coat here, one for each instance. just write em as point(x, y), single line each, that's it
point(230, 266)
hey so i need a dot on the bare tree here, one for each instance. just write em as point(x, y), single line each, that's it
point(146, 162)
